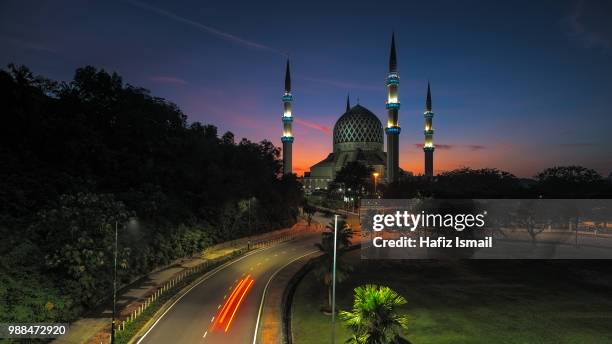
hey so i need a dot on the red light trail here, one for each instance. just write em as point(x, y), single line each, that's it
point(232, 304)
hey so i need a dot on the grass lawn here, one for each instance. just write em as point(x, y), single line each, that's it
point(475, 301)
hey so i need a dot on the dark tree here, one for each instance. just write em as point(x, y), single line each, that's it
point(461, 183)
point(76, 155)
point(571, 182)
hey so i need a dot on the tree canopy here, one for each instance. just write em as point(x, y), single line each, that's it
point(79, 156)
point(555, 182)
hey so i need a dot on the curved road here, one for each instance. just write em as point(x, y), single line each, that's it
point(234, 292)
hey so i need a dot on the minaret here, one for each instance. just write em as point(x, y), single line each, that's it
point(428, 147)
point(348, 103)
point(287, 138)
point(393, 105)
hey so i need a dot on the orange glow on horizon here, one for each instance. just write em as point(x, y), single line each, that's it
point(306, 154)
point(411, 159)
point(311, 146)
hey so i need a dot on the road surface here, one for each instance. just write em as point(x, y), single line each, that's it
point(224, 308)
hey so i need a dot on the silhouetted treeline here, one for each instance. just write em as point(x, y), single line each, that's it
point(554, 182)
point(79, 156)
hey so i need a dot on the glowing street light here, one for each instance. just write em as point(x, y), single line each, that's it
point(375, 174)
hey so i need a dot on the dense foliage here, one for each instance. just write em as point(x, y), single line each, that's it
point(554, 182)
point(353, 182)
point(374, 318)
point(80, 157)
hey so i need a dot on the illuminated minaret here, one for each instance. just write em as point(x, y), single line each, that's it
point(287, 138)
point(428, 147)
point(393, 105)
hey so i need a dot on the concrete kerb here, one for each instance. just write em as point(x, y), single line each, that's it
point(287, 298)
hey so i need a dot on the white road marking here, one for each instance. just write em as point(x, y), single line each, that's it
point(205, 333)
point(263, 296)
point(224, 296)
point(205, 278)
point(219, 306)
point(213, 319)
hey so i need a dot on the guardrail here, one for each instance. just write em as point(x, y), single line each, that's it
point(131, 319)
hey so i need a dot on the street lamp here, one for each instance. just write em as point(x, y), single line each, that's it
point(132, 224)
point(375, 174)
point(114, 288)
point(333, 310)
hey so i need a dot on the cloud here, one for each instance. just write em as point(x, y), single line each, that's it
point(313, 125)
point(579, 29)
point(579, 144)
point(475, 147)
point(168, 80)
point(28, 45)
point(453, 146)
point(218, 33)
point(341, 84)
point(438, 146)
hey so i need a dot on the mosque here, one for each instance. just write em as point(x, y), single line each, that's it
point(358, 136)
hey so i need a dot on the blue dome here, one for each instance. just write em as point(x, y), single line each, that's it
point(358, 125)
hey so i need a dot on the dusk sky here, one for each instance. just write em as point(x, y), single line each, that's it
point(516, 85)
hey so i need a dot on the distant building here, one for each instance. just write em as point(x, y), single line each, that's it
point(358, 136)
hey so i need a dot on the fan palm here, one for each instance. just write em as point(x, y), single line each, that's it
point(345, 234)
point(374, 318)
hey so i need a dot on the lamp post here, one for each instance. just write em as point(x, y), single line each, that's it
point(114, 288)
point(375, 174)
point(333, 310)
point(131, 224)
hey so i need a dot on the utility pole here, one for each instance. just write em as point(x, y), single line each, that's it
point(334, 281)
point(114, 289)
